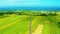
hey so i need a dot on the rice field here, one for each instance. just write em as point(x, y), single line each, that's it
point(46, 25)
point(20, 24)
point(14, 25)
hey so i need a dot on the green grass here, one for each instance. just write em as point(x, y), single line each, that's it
point(15, 25)
point(49, 28)
point(20, 24)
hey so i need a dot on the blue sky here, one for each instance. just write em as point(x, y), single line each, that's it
point(28, 3)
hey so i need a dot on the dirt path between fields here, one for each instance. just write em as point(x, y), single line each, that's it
point(34, 21)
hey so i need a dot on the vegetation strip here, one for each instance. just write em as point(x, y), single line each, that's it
point(19, 21)
point(38, 30)
point(8, 21)
point(35, 20)
point(9, 24)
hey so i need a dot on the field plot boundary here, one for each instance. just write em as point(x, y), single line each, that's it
point(39, 29)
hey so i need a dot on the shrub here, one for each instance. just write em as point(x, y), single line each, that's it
point(43, 14)
point(59, 24)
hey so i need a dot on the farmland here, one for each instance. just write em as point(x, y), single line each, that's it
point(14, 23)
point(49, 25)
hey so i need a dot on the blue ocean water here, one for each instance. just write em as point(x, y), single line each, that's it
point(30, 8)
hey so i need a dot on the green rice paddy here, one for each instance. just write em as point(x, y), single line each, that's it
point(20, 24)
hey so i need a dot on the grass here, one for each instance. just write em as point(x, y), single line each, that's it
point(20, 24)
point(15, 25)
point(50, 24)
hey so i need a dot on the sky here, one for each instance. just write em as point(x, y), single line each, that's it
point(29, 3)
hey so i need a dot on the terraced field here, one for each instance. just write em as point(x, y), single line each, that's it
point(20, 24)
